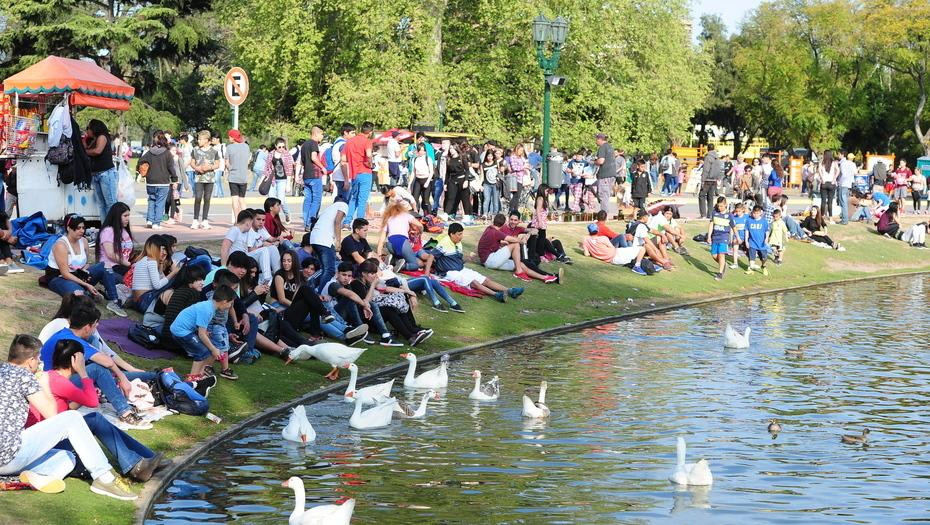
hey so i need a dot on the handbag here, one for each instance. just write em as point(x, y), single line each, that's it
point(265, 186)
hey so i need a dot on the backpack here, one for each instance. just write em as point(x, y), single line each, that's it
point(62, 154)
point(144, 336)
point(180, 396)
point(648, 266)
point(328, 154)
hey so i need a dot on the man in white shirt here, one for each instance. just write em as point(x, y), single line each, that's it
point(325, 238)
point(237, 237)
point(847, 177)
point(263, 248)
point(393, 159)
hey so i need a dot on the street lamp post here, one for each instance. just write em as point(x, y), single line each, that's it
point(441, 106)
point(547, 32)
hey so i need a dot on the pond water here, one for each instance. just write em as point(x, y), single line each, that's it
point(620, 394)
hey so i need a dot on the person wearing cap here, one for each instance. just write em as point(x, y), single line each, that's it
point(393, 158)
point(607, 171)
point(237, 170)
point(844, 185)
point(600, 247)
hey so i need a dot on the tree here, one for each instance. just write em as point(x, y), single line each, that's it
point(898, 34)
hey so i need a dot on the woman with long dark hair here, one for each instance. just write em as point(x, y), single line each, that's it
point(115, 241)
point(98, 145)
point(815, 226)
point(888, 223)
point(828, 171)
point(518, 168)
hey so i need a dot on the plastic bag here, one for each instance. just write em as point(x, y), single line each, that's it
point(126, 186)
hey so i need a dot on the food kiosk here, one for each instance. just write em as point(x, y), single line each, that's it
point(28, 99)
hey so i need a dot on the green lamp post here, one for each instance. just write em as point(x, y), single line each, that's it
point(547, 32)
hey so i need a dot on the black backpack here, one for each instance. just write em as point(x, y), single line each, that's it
point(144, 336)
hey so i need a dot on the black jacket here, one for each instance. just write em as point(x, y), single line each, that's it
point(162, 168)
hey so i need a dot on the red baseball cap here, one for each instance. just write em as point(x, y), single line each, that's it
point(234, 135)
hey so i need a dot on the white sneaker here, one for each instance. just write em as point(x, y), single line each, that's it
point(205, 225)
point(195, 224)
point(148, 224)
point(157, 227)
point(734, 266)
point(14, 269)
point(170, 222)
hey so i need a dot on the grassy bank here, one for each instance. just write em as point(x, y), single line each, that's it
point(592, 289)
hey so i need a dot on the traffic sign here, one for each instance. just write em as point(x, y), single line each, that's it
point(236, 86)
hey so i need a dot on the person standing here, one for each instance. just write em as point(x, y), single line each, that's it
point(220, 148)
point(411, 153)
point(340, 165)
point(204, 161)
point(393, 158)
point(237, 170)
point(457, 184)
point(185, 149)
point(710, 177)
point(312, 177)
point(606, 172)
point(640, 187)
point(161, 173)
point(422, 175)
point(258, 166)
point(97, 144)
point(829, 171)
point(442, 160)
point(848, 172)
point(278, 167)
point(358, 155)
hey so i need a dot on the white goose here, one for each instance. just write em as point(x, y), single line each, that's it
point(370, 394)
point(435, 378)
point(298, 427)
point(538, 409)
point(693, 474)
point(377, 416)
point(733, 339)
point(489, 392)
point(320, 515)
point(336, 354)
point(405, 411)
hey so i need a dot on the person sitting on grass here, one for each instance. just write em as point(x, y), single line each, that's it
point(276, 230)
point(7, 243)
point(395, 305)
point(598, 246)
point(396, 225)
point(720, 235)
point(450, 247)
point(778, 236)
point(757, 229)
point(149, 278)
point(353, 304)
point(355, 248)
point(112, 381)
point(32, 453)
point(135, 460)
point(60, 321)
point(499, 251)
point(667, 231)
point(864, 207)
point(250, 307)
point(190, 330)
point(531, 250)
point(639, 237)
point(423, 283)
point(300, 313)
point(815, 227)
point(618, 240)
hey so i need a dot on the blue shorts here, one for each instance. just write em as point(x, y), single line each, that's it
point(719, 247)
point(760, 252)
point(193, 346)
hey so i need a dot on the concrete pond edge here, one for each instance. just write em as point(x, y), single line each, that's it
point(160, 482)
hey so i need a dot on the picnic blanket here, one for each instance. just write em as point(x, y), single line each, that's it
point(116, 331)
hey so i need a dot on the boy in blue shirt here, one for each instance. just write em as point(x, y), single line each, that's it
point(190, 330)
point(719, 235)
point(757, 229)
point(738, 219)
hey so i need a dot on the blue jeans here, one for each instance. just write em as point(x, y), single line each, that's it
point(157, 197)
point(98, 274)
point(335, 329)
point(341, 192)
point(668, 186)
point(121, 445)
point(327, 257)
point(313, 196)
point(620, 241)
point(279, 191)
point(190, 178)
point(358, 198)
point(432, 287)
point(794, 228)
point(105, 184)
point(104, 381)
point(863, 213)
point(842, 200)
point(437, 194)
point(492, 200)
point(218, 185)
point(256, 178)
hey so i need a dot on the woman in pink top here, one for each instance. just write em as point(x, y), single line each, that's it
point(116, 255)
point(396, 224)
point(517, 169)
point(68, 383)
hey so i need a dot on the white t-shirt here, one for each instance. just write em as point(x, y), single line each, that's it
point(640, 235)
point(239, 239)
point(337, 148)
point(847, 173)
point(393, 151)
point(322, 232)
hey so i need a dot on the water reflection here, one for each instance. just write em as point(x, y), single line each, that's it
point(619, 395)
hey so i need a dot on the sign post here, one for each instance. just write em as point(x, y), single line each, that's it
point(236, 89)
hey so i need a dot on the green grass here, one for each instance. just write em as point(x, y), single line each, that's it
point(592, 290)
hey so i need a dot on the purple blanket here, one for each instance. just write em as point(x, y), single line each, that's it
point(116, 331)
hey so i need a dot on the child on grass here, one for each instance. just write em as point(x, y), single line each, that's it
point(757, 229)
point(738, 219)
point(778, 236)
point(720, 235)
point(192, 330)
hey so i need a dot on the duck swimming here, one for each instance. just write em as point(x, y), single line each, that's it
point(856, 440)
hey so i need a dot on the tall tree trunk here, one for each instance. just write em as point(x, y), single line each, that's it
point(436, 10)
point(921, 103)
point(737, 143)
